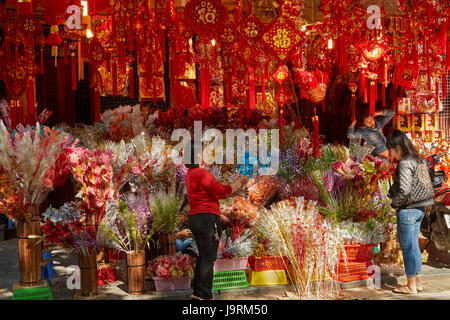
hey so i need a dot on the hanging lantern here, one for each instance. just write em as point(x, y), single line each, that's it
point(54, 40)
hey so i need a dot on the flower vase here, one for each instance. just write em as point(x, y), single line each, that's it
point(136, 271)
point(168, 243)
point(88, 274)
point(30, 249)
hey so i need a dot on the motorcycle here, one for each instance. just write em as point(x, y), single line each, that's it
point(436, 223)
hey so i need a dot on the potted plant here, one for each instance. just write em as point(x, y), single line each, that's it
point(128, 227)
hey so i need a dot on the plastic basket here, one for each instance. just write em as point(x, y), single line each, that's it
point(226, 280)
point(351, 271)
point(267, 263)
point(33, 293)
point(221, 265)
point(268, 278)
point(177, 283)
point(358, 252)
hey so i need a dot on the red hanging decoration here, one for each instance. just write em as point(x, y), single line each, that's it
point(366, 90)
point(114, 77)
point(383, 94)
point(42, 61)
point(30, 101)
point(362, 82)
point(251, 93)
point(66, 60)
point(73, 71)
point(373, 89)
point(131, 81)
point(444, 35)
point(315, 135)
point(436, 87)
point(263, 84)
point(444, 85)
point(353, 107)
point(24, 7)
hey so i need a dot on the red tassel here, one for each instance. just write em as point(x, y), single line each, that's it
point(362, 83)
point(241, 116)
point(353, 107)
point(154, 92)
point(444, 85)
point(73, 71)
point(114, 78)
point(66, 59)
point(425, 46)
point(131, 81)
point(251, 93)
point(208, 86)
point(42, 61)
point(281, 125)
point(97, 110)
point(122, 56)
point(366, 90)
point(444, 35)
point(315, 135)
point(263, 84)
point(30, 101)
point(383, 94)
point(373, 88)
point(436, 88)
point(323, 106)
point(163, 44)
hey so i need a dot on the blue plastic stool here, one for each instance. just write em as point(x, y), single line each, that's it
point(47, 272)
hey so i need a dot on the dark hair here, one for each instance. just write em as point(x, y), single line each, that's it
point(399, 138)
point(191, 150)
point(362, 116)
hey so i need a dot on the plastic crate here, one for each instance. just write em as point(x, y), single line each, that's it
point(351, 271)
point(221, 265)
point(267, 263)
point(33, 293)
point(268, 278)
point(177, 283)
point(226, 280)
point(358, 252)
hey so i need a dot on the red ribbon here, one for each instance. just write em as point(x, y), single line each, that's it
point(366, 90)
point(315, 135)
point(383, 94)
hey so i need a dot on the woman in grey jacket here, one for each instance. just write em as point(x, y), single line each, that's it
point(411, 192)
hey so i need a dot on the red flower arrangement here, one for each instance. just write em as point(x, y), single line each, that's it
point(166, 267)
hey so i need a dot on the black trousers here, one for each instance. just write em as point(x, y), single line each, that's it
point(204, 227)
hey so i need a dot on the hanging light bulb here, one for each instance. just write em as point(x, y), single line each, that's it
point(330, 43)
point(85, 8)
point(89, 33)
point(213, 42)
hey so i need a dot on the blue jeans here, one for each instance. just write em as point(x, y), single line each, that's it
point(182, 245)
point(408, 227)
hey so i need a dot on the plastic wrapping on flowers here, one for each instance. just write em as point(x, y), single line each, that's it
point(234, 246)
point(178, 265)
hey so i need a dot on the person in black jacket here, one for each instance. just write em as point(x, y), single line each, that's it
point(411, 192)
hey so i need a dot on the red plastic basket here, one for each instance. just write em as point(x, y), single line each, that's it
point(351, 271)
point(267, 263)
point(358, 252)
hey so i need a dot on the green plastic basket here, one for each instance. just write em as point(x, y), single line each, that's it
point(226, 280)
point(34, 293)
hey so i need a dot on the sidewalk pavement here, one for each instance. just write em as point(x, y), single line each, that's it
point(436, 279)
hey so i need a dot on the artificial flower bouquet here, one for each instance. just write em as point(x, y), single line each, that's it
point(233, 245)
point(123, 123)
point(127, 227)
point(175, 266)
point(67, 226)
point(27, 160)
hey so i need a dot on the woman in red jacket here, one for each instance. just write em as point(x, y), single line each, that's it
point(204, 192)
